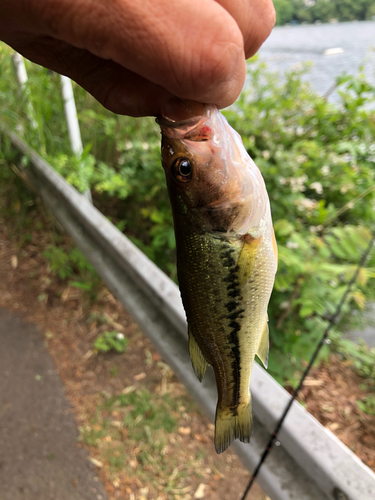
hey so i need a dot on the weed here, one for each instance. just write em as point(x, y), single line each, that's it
point(59, 262)
point(113, 371)
point(367, 404)
point(145, 410)
point(361, 355)
point(111, 341)
point(71, 263)
point(92, 436)
point(116, 456)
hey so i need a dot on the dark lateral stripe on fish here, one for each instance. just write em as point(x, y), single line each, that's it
point(226, 255)
point(231, 306)
point(233, 292)
point(236, 314)
point(228, 248)
point(228, 261)
point(233, 284)
point(236, 364)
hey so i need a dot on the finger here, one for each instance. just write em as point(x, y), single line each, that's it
point(116, 88)
point(255, 18)
point(194, 50)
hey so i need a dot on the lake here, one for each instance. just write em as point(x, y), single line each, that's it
point(289, 46)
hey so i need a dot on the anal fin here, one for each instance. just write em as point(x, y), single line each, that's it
point(263, 347)
point(197, 359)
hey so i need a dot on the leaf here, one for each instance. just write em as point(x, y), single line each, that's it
point(335, 247)
point(283, 228)
point(291, 259)
point(82, 286)
point(362, 276)
point(96, 462)
point(307, 309)
point(359, 298)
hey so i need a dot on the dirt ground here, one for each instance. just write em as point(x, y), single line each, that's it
point(137, 456)
point(331, 394)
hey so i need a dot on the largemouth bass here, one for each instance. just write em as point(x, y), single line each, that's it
point(226, 258)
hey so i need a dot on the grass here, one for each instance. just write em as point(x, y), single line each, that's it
point(145, 423)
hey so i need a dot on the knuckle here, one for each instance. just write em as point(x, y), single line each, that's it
point(217, 58)
point(213, 69)
point(260, 30)
point(271, 18)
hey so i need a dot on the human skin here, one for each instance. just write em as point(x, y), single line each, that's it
point(142, 57)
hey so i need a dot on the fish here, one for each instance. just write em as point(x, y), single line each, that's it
point(226, 258)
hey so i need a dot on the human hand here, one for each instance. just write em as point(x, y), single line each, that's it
point(137, 56)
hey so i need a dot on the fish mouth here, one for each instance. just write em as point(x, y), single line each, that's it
point(181, 112)
point(163, 121)
point(197, 128)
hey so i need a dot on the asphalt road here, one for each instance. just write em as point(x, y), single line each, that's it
point(39, 455)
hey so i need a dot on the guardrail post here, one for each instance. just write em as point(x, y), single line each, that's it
point(21, 75)
point(74, 132)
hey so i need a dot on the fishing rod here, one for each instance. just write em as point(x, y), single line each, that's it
point(296, 391)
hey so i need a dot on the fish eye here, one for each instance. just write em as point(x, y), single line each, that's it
point(182, 169)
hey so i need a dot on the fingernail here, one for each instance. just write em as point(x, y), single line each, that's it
point(179, 109)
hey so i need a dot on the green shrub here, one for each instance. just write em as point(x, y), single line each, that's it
point(318, 162)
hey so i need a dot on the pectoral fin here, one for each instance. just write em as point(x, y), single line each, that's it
point(197, 359)
point(263, 347)
point(246, 259)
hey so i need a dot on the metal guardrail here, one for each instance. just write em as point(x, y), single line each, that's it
point(310, 463)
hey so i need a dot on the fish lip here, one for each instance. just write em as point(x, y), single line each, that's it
point(201, 112)
point(163, 121)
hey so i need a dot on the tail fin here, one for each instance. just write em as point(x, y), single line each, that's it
point(230, 426)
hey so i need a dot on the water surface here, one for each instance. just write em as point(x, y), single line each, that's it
point(289, 46)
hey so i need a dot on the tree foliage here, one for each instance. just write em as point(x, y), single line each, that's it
point(309, 11)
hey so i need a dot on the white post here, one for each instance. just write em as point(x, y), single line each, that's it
point(21, 75)
point(72, 121)
point(19, 66)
